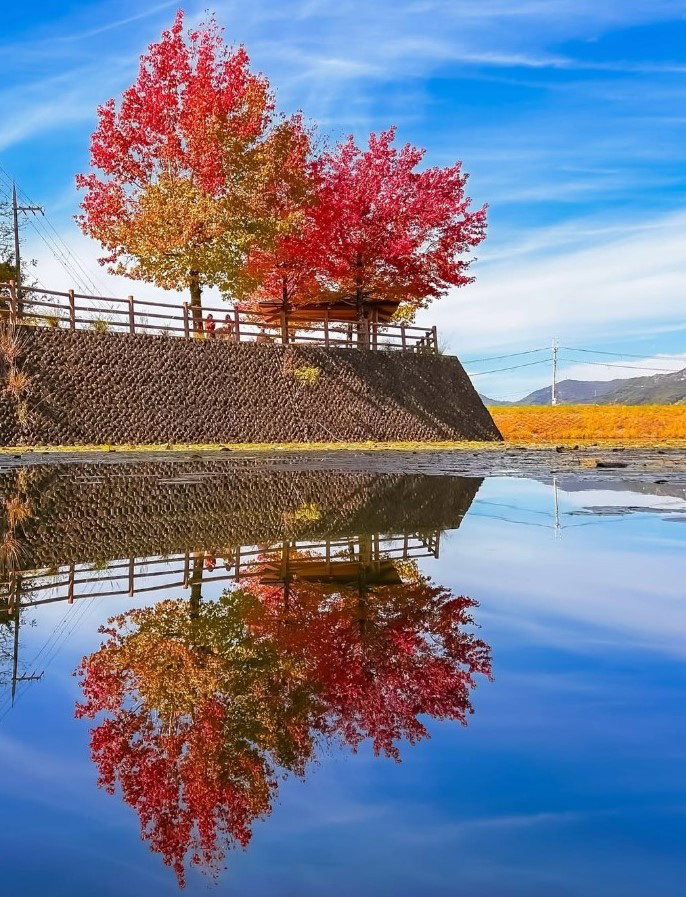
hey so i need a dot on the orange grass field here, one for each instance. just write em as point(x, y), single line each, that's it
point(655, 424)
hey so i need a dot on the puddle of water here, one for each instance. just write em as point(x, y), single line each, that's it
point(279, 638)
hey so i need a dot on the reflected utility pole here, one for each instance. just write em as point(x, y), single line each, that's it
point(556, 503)
point(15, 592)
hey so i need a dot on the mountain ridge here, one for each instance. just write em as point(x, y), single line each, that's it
point(658, 389)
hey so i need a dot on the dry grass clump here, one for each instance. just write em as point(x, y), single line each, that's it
point(16, 511)
point(10, 552)
point(17, 381)
point(11, 343)
point(592, 423)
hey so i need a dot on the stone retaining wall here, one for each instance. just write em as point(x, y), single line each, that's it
point(92, 388)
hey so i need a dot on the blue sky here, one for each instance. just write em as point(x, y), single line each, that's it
point(568, 780)
point(570, 116)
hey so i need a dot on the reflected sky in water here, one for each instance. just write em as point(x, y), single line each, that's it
point(569, 778)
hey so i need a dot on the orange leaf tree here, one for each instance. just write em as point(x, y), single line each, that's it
point(193, 167)
point(200, 715)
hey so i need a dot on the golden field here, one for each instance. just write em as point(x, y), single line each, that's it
point(624, 424)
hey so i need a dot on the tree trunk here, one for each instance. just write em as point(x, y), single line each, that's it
point(196, 301)
point(196, 586)
point(362, 324)
point(284, 311)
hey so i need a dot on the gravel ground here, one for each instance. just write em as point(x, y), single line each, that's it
point(590, 462)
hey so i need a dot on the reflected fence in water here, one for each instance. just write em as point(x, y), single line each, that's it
point(335, 559)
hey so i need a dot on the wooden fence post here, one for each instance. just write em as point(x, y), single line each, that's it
point(186, 564)
point(236, 325)
point(72, 311)
point(13, 303)
point(403, 338)
point(132, 316)
point(131, 578)
point(186, 322)
point(284, 327)
point(435, 336)
point(326, 328)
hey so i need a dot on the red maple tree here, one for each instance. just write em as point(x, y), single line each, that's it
point(377, 229)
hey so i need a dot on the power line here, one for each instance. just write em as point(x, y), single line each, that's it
point(511, 355)
point(60, 258)
point(513, 368)
point(71, 262)
point(619, 354)
point(631, 367)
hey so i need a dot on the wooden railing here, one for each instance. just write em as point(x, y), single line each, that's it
point(35, 306)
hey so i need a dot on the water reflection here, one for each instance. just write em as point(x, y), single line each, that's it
point(302, 620)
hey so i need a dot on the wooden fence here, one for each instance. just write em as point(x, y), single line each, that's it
point(39, 307)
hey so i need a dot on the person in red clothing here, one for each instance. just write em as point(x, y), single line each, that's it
point(210, 326)
point(209, 561)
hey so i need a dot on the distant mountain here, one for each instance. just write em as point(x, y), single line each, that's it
point(660, 389)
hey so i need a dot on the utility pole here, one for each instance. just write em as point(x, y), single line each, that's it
point(553, 391)
point(17, 253)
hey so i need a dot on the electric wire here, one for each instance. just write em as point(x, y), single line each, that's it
point(631, 367)
point(72, 263)
point(515, 367)
point(510, 355)
point(619, 354)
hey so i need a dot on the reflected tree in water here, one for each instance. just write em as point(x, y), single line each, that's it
point(208, 704)
point(201, 715)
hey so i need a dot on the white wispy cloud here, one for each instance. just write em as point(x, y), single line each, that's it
point(589, 297)
point(571, 252)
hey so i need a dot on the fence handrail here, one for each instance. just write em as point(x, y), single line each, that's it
point(134, 316)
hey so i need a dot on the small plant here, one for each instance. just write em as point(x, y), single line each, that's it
point(100, 325)
point(307, 375)
point(308, 513)
point(52, 322)
point(17, 381)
